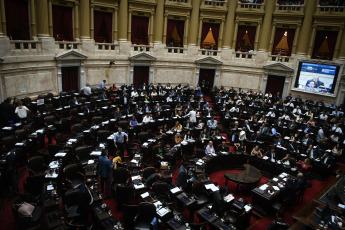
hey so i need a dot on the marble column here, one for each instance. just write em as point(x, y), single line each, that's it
point(50, 17)
point(342, 48)
point(193, 32)
point(304, 38)
point(312, 41)
point(115, 25)
point(3, 17)
point(129, 29)
point(234, 39)
point(123, 22)
point(270, 47)
point(220, 39)
point(92, 21)
point(1, 32)
point(266, 25)
point(186, 30)
point(42, 18)
point(33, 18)
point(76, 21)
point(257, 34)
point(151, 28)
point(199, 32)
point(159, 22)
point(337, 44)
point(85, 19)
point(295, 39)
point(229, 24)
point(165, 25)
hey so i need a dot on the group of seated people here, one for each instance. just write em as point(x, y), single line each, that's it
point(332, 3)
point(290, 2)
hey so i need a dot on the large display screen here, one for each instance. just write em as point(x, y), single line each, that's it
point(316, 77)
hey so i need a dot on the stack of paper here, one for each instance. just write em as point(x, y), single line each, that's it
point(161, 212)
point(175, 190)
point(144, 195)
point(89, 162)
point(139, 186)
point(229, 198)
point(96, 153)
point(50, 187)
point(60, 154)
point(263, 187)
point(136, 178)
point(134, 161)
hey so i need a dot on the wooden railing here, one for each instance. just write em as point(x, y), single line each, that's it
point(333, 10)
point(289, 8)
point(245, 55)
point(142, 48)
point(280, 58)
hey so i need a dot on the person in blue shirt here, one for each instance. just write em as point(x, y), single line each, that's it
point(103, 96)
point(102, 85)
point(105, 167)
point(133, 122)
point(120, 139)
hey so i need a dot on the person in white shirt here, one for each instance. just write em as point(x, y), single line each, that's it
point(192, 116)
point(234, 109)
point(286, 117)
point(297, 110)
point(337, 129)
point(86, 90)
point(147, 118)
point(134, 93)
point(169, 99)
point(21, 111)
point(323, 116)
point(271, 113)
point(290, 104)
point(212, 124)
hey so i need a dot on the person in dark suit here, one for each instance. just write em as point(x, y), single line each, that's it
point(218, 201)
point(146, 108)
point(289, 191)
point(187, 124)
point(279, 142)
point(327, 159)
point(273, 156)
point(154, 177)
point(300, 182)
point(317, 82)
point(278, 224)
point(85, 200)
point(11, 171)
point(306, 140)
point(182, 177)
point(104, 171)
point(124, 99)
point(6, 111)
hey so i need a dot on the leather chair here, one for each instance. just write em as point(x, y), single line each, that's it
point(97, 120)
point(26, 222)
point(161, 190)
point(77, 130)
point(82, 100)
point(70, 200)
point(124, 124)
point(95, 90)
point(147, 172)
point(74, 177)
point(36, 165)
point(120, 176)
point(21, 134)
point(102, 135)
point(33, 186)
point(9, 142)
point(124, 195)
point(147, 211)
point(83, 154)
point(129, 213)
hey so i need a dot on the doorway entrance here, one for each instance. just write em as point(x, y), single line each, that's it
point(208, 76)
point(275, 84)
point(70, 78)
point(141, 75)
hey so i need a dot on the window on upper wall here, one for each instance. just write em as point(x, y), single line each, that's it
point(175, 33)
point(324, 44)
point(245, 38)
point(17, 19)
point(103, 22)
point(62, 23)
point(283, 41)
point(140, 30)
point(209, 36)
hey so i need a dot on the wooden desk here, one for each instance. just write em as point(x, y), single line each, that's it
point(250, 176)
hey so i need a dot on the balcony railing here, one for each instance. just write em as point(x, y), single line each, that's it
point(250, 6)
point(207, 52)
point(244, 55)
point(179, 1)
point(214, 4)
point(331, 10)
point(105, 46)
point(142, 48)
point(62, 45)
point(279, 58)
point(176, 50)
point(289, 8)
point(24, 45)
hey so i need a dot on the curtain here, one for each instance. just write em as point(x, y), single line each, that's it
point(140, 30)
point(180, 31)
point(17, 19)
point(62, 23)
point(215, 32)
point(70, 79)
point(240, 44)
point(140, 75)
point(103, 27)
point(278, 36)
point(319, 39)
point(275, 84)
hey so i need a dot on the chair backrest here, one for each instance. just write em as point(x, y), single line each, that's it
point(82, 152)
point(50, 120)
point(147, 211)
point(82, 100)
point(120, 176)
point(148, 171)
point(160, 188)
point(198, 187)
point(124, 124)
point(77, 128)
point(124, 194)
point(142, 136)
point(198, 226)
point(71, 198)
point(71, 170)
point(97, 120)
point(36, 163)
point(33, 184)
point(102, 135)
point(21, 134)
point(129, 213)
point(9, 141)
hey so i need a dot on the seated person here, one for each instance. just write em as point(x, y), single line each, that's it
point(278, 224)
point(223, 147)
point(200, 125)
point(287, 161)
point(154, 177)
point(188, 136)
point(279, 142)
point(103, 96)
point(327, 159)
point(147, 118)
point(212, 124)
point(159, 152)
point(133, 122)
point(209, 149)
point(241, 148)
point(178, 139)
point(117, 159)
point(204, 134)
point(74, 101)
point(300, 182)
point(177, 127)
point(256, 152)
point(304, 166)
point(272, 155)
